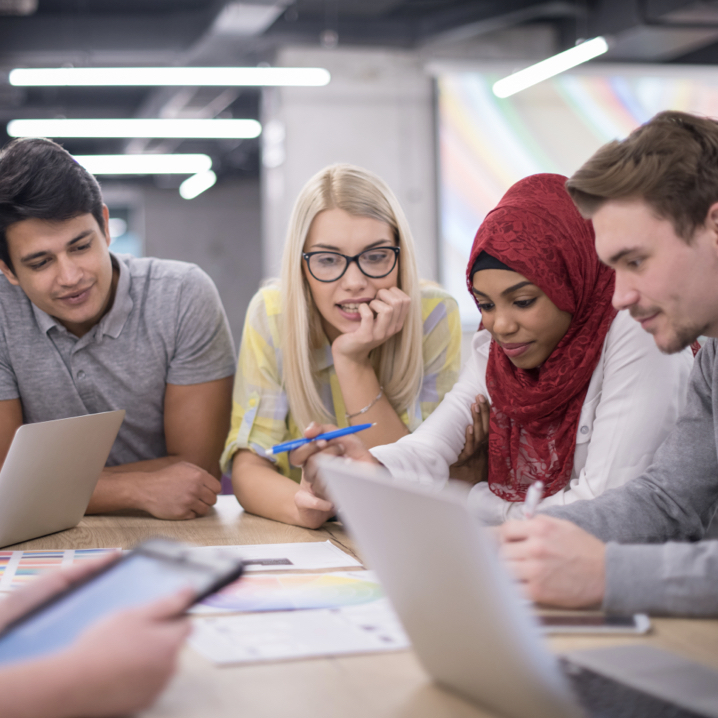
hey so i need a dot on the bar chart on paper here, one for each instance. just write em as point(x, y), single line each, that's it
point(19, 567)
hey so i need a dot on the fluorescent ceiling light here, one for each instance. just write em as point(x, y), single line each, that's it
point(181, 76)
point(144, 164)
point(196, 184)
point(551, 66)
point(212, 129)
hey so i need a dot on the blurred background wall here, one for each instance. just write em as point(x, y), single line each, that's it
point(409, 98)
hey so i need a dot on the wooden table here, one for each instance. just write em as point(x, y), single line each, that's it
point(392, 685)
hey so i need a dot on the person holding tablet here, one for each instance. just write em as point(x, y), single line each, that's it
point(559, 386)
point(87, 679)
point(348, 336)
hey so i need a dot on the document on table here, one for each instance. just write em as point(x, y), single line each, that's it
point(308, 555)
point(293, 591)
point(19, 567)
point(282, 636)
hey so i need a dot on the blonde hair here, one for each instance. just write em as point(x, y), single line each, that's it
point(398, 361)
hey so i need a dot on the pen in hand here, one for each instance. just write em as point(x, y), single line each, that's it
point(533, 499)
point(291, 445)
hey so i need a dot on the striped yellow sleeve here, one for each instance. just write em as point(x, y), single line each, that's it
point(259, 407)
point(441, 348)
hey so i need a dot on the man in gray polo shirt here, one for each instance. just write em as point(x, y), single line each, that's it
point(654, 202)
point(85, 331)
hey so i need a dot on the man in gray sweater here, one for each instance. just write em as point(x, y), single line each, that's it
point(653, 199)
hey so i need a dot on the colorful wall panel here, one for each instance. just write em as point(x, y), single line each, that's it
point(486, 143)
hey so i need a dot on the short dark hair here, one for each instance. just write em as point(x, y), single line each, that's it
point(41, 180)
point(671, 163)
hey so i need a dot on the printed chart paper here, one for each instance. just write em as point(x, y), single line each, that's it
point(308, 555)
point(292, 591)
point(256, 637)
point(19, 567)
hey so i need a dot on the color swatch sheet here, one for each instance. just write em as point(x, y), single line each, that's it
point(292, 591)
point(19, 567)
point(304, 556)
point(255, 637)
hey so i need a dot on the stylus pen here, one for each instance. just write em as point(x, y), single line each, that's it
point(533, 499)
point(291, 445)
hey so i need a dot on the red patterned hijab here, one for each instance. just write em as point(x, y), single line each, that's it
point(537, 231)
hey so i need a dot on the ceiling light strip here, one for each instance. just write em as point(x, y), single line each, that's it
point(148, 164)
point(178, 76)
point(551, 66)
point(143, 128)
point(196, 184)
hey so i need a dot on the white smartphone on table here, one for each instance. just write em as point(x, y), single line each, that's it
point(594, 623)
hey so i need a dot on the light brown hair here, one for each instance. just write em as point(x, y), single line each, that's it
point(671, 163)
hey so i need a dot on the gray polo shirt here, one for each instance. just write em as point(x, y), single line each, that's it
point(166, 326)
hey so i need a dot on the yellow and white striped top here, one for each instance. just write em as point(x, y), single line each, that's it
point(261, 416)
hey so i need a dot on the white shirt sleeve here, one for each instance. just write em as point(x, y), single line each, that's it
point(438, 441)
point(634, 399)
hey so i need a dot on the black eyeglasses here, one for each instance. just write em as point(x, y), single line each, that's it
point(373, 263)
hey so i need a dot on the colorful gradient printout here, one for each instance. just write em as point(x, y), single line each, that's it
point(486, 143)
point(19, 567)
point(288, 592)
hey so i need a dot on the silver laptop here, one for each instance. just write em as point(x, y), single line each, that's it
point(467, 622)
point(50, 472)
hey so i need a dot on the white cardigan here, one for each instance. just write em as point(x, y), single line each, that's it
point(633, 400)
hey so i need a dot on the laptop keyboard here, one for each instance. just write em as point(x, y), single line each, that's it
point(603, 697)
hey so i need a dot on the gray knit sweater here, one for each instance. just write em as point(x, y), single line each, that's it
point(673, 501)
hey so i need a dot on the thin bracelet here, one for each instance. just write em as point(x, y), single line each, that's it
point(368, 406)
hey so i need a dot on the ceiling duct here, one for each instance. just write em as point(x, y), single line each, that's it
point(245, 19)
point(654, 30)
point(18, 7)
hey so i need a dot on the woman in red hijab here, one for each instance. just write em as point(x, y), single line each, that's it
point(545, 298)
point(558, 387)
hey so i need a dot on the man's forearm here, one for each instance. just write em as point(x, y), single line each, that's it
point(142, 466)
point(120, 487)
point(115, 491)
point(168, 488)
point(674, 578)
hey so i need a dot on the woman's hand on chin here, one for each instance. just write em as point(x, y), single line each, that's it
point(381, 319)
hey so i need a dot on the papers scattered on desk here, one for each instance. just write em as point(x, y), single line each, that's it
point(250, 638)
point(310, 555)
point(292, 591)
point(19, 567)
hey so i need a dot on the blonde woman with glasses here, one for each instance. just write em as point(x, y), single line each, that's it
point(349, 335)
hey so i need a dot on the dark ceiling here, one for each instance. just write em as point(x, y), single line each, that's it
point(53, 33)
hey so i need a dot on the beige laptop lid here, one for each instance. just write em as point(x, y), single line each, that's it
point(50, 473)
point(465, 619)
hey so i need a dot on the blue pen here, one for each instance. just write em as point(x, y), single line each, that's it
point(291, 445)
